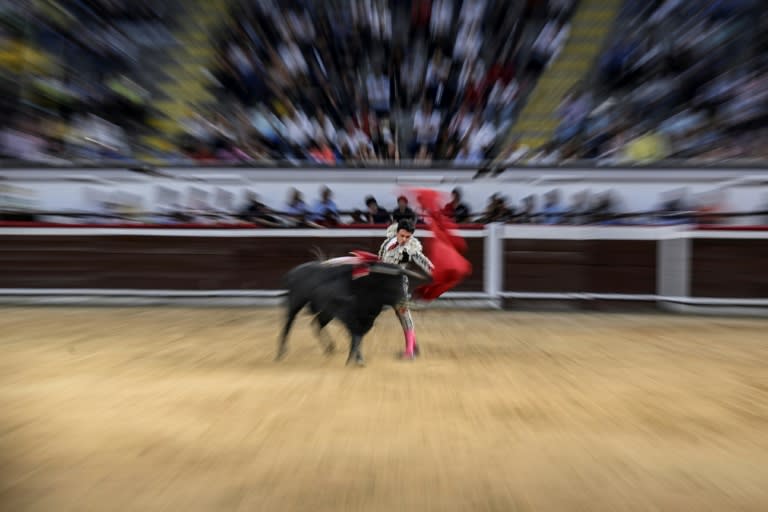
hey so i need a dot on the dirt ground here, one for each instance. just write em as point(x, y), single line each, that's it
point(182, 409)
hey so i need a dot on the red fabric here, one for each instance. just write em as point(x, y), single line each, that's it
point(364, 259)
point(445, 249)
point(365, 256)
point(360, 271)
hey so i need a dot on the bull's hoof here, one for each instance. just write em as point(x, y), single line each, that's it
point(358, 360)
point(280, 355)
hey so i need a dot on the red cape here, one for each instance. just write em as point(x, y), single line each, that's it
point(444, 249)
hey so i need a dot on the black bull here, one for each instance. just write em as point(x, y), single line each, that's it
point(331, 292)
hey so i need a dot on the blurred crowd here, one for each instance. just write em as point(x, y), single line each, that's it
point(69, 76)
point(378, 80)
point(677, 80)
point(349, 81)
point(325, 82)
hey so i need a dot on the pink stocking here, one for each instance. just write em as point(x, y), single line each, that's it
point(410, 342)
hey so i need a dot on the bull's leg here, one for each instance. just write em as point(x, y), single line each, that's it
point(282, 347)
point(320, 322)
point(355, 352)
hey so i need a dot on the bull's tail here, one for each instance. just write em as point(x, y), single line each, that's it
point(318, 253)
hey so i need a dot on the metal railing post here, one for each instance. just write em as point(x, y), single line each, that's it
point(493, 260)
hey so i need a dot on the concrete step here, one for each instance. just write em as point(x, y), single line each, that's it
point(591, 5)
point(580, 49)
point(537, 124)
point(586, 30)
point(157, 143)
point(533, 142)
point(174, 108)
point(163, 124)
point(602, 15)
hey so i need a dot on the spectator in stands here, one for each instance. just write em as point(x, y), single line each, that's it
point(426, 127)
point(573, 112)
point(264, 122)
point(553, 212)
point(604, 208)
point(496, 210)
point(258, 213)
point(321, 152)
point(297, 130)
point(502, 101)
point(649, 146)
point(468, 41)
point(299, 210)
point(547, 45)
point(456, 209)
point(440, 22)
point(458, 128)
point(375, 214)
point(468, 156)
point(22, 143)
point(296, 204)
point(707, 205)
point(323, 126)
point(527, 212)
point(383, 140)
point(578, 213)
point(673, 207)
point(481, 137)
point(437, 81)
point(378, 87)
point(325, 210)
point(403, 211)
point(354, 143)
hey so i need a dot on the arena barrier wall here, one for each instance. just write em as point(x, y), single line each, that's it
point(595, 267)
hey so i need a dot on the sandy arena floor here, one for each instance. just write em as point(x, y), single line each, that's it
point(183, 409)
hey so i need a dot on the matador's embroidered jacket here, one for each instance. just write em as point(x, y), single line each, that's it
point(411, 251)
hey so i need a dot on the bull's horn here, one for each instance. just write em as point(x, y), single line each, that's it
point(394, 271)
point(415, 275)
point(385, 269)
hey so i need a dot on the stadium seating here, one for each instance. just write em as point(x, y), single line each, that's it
point(345, 82)
point(676, 80)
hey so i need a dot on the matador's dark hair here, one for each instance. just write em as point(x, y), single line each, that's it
point(406, 225)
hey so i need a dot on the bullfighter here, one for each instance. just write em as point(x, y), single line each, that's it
point(402, 248)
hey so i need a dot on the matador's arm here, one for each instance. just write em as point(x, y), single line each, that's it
point(416, 254)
